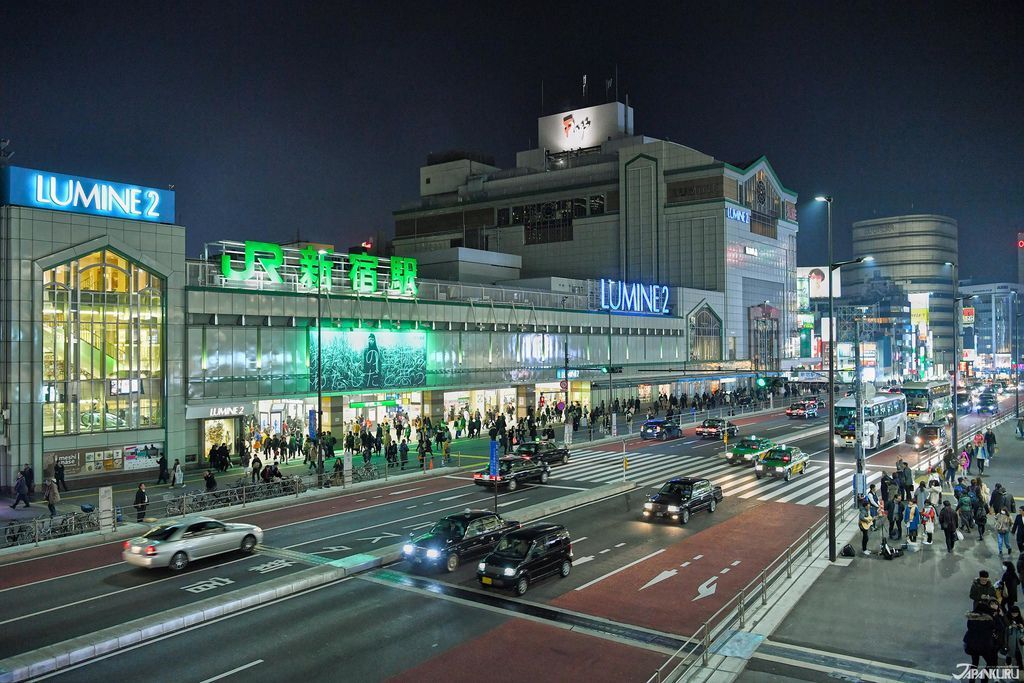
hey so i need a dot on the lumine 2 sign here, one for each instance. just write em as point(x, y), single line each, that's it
point(312, 268)
point(633, 297)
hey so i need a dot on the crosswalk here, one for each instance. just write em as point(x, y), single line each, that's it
point(653, 469)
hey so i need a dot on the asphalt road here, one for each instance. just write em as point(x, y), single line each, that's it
point(45, 604)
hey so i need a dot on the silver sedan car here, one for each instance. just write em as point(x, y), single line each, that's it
point(175, 543)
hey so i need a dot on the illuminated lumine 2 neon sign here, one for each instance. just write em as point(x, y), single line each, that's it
point(633, 297)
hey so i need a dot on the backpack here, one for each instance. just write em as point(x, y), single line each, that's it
point(847, 551)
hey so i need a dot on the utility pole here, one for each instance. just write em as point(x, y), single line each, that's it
point(859, 393)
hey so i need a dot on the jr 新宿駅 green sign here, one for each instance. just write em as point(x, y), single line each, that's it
point(313, 268)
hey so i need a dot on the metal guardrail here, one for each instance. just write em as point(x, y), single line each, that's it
point(32, 531)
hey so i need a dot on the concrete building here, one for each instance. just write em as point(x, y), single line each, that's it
point(597, 200)
point(988, 340)
point(911, 252)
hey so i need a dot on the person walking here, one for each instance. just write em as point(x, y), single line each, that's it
point(921, 495)
point(981, 519)
point(990, 442)
point(928, 516)
point(141, 503)
point(58, 473)
point(982, 589)
point(1018, 529)
point(52, 495)
point(1014, 637)
point(257, 466)
point(980, 638)
point(866, 522)
point(403, 453)
point(1009, 582)
point(1002, 525)
point(20, 491)
point(30, 480)
point(948, 523)
point(897, 511)
point(177, 475)
point(950, 466)
point(912, 517)
point(981, 457)
point(162, 463)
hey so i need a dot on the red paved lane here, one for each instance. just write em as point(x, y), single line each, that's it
point(555, 654)
point(72, 561)
point(719, 561)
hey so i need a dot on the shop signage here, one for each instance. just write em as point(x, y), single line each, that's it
point(968, 315)
point(633, 297)
point(750, 251)
point(204, 412)
point(741, 215)
point(574, 373)
point(368, 359)
point(114, 459)
point(312, 268)
point(59, 192)
point(373, 404)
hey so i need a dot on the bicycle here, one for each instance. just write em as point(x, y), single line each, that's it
point(367, 472)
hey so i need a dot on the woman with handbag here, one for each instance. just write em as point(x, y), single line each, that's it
point(928, 521)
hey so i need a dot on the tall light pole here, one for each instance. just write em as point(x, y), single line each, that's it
point(1014, 355)
point(320, 367)
point(956, 353)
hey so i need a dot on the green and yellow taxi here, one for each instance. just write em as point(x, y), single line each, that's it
point(781, 461)
point(747, 450)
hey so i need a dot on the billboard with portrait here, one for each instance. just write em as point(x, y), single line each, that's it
point(584, 127)
point(357, 360)
point(817, 285)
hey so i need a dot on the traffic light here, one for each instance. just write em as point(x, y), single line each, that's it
point(760, 382)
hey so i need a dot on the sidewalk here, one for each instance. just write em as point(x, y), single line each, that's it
point(905, 616)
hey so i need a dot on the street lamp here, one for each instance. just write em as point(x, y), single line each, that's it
point(956, 352)
point(1016, 355)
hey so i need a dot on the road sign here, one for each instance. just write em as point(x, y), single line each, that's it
point(615, 424)
point(563, 385)
point(494, 458)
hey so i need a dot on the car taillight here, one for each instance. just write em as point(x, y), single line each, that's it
point(127, 544)
point(785, 458)
point(151, 550)
point(478, 476)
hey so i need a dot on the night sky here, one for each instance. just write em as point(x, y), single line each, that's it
point(277, 118)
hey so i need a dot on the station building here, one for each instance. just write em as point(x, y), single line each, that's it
point(116, 347)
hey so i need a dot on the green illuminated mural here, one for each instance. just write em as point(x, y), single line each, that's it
point(369, 359)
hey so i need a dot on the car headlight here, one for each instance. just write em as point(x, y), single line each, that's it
point(481, 567)
point(509, 571)
point(648, 506)
point(917, 439)
point(408, 549)
point(433, 554)
point(673, 508)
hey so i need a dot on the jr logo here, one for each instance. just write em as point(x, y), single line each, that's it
point(270, 258)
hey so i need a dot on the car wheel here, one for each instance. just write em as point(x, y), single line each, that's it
point(521, 585)
point(544, 476)
point(566, 568)
point(714, 504)
point(452, 563)
point(179, 561)
point(248, 543)
point(513, 484)
point(565, 459)
point(757, 474)
point(788, 475)
point(684, 517)
point(661, 438)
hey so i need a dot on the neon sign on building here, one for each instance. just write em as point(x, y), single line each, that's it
point(633, 297)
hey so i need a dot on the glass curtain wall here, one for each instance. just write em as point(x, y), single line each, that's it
point(705, 335)
point(103, 340)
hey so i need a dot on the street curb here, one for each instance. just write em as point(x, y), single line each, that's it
point(84, 648)
point(128, 530)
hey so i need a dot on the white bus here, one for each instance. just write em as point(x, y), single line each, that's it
point(929, 402)
point(885, 420)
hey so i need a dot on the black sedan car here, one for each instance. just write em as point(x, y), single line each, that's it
point(544, 451)
point(681, 497)
point(513, 471)
point(526, 555)
point(716, 428)
point(660, 429)
point(455, 537)
point(988, 403)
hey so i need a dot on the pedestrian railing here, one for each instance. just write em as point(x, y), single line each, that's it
point(32, 531)
point(696, 649)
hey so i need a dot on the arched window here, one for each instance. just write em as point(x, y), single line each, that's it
point(103, 334)
point(705, 335)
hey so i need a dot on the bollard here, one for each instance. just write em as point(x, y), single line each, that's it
point(808, 543)
point(244, 488)
point(35, 530)
point(764, 588)
point(705, 644)
point(789, 562)
point(743, 610)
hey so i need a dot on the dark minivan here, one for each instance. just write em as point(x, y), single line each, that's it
point(526, 555)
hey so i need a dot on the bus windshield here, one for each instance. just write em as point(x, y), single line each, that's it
point(917, 399)
point(846, 417)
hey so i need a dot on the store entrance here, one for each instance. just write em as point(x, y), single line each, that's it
point(218, 431)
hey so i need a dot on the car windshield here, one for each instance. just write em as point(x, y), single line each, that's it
point(776, 454)
point(929, 432)
point(449, 527)
point(797, 406)
point(505, 466)
point(749, 443)
point(161, 533)
point(527, 448)
point(674, 488)
point(513, 547)
point(653, 423)
point(712, 423)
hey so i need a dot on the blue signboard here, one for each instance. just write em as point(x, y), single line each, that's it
point(741, 215)
point(312, 423)
point(494, 458)
point(59, 192)
point(634, 298)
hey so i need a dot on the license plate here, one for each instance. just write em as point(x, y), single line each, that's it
point(486, 580)
point(136, 549)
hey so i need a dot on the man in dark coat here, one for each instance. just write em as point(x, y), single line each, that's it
point(141, 503)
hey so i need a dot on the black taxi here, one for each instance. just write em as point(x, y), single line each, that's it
point(456, 537)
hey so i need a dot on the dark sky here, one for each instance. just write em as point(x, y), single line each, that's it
point(276, 117)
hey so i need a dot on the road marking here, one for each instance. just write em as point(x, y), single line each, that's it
point(334, 548)
point(233, 671)
point(724, 571)
point(606, 550)
point(375, 539)
point(417, 526)
point(409, 507)
point(685, 564)
point(461, 495)
point(735, 562)
point(619, 545)
point(398, 493)
point(511, 502)
point(360, 500)
point(706, 589)
point(567, 488)
point(620, 569)
point(667, 574)
point(582, 560)
point(697, 557)
point(375, 497)
point(580, 539)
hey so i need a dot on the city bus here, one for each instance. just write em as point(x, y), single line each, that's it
point(885, 420)
point(929, 402)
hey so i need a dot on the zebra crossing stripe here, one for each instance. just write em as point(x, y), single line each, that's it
point(810, 486)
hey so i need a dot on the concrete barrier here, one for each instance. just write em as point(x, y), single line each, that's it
point(77, 650)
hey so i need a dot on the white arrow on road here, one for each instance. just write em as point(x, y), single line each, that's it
point(374, 539)
point(582, 560)
point(659, 578)
point(335, 548)
point(707, 588)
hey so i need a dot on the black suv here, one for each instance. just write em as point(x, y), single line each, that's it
point(526, 555)
point(513, 471)
point(544, 451)
point(454, 537)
